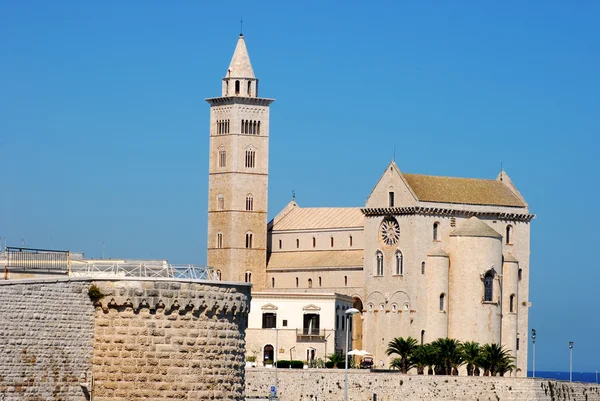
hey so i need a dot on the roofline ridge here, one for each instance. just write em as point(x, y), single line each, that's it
point(455, 177)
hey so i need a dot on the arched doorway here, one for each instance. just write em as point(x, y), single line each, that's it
point(357, 325)
point(268, 354)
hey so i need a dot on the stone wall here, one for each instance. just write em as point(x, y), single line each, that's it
point(165, 340)
point(146, 339)
point(328, 384)
point(46, 339)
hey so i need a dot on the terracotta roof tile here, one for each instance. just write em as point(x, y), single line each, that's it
point(472, 191)
point(320, 218)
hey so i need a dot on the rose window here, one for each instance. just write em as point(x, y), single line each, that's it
point(390, 232)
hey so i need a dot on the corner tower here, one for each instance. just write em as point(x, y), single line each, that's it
point(238, 175)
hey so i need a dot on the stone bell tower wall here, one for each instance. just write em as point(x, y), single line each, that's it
point(155, 339)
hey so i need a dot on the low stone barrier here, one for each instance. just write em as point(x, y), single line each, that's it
point(328, 385)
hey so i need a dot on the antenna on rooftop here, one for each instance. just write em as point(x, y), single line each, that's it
point(293, 195)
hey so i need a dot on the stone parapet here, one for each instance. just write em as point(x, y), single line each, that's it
point(154, 339)
point(328, 384)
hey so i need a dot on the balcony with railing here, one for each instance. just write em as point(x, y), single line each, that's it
point(310, 334)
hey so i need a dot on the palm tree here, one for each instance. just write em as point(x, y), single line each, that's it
point(430, 358)
point(404, 349)
point(497, 357)
point(419, 358)
point(448, 355)
point(483, 363)
point(470, 353)
point(336, 358)
point(506, 365)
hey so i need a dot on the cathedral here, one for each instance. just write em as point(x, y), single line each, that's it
point(425, 256)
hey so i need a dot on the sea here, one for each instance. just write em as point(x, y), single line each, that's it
point(586, 377)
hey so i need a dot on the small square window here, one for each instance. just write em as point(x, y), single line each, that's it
point(284, 323)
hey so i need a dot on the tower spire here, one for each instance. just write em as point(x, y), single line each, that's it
point(240, 66)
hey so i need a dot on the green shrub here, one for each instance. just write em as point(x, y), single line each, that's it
point(251, 358)
point(283, 364)
point(297, 364)
point(341, 365)
point(268, 362)
point(95, 293)
point(329, 364)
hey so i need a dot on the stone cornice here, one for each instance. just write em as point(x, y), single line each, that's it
point(256, 101)
point(435, 211)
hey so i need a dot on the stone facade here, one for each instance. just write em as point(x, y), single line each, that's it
point(146, 339)
point(407, 258)
point(328, 384)
point(238, 175)
point(292, 341)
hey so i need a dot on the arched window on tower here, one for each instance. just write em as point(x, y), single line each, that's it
point(296, 282)
point(250, 160)
point(237, 87)
point(379, 262)
point(297, 243)
point(248, 240)
point(331, 240)
point(280, 244)
point(220, 202)
point(314, 242)
point(248, 277)
point(442, 302)
point(345, 281)
point(512, 303)
point(488, 287)
point(435, 231)
point(422, 337)
point(320, 281)
point(249, 87)
point(219, 240)
point(222, 157)
point(272, 282)
point(219, 275)
point(258, 128)
point(249, 202)
point(422, 267)
point(310, 283)
point(350, 240)
point(520, 274)
point(399, 263)
point(508, 234)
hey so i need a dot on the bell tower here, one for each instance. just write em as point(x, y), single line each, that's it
point(238, 175)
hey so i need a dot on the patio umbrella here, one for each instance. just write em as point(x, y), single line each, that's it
point(355, 352)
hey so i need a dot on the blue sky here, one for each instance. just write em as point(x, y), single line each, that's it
point(104, 128)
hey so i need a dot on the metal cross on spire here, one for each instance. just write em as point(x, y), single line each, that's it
point(241, 25)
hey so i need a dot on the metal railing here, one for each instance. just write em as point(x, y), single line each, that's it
point(124, 269)
point(307, 334)
point(29, 260)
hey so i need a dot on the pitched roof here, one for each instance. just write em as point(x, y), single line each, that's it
point(508, 257)
point(437, 251)
point(304, 259)
point(240, 66)
point(474, 227)
point(319, 218)
point(472, 191)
